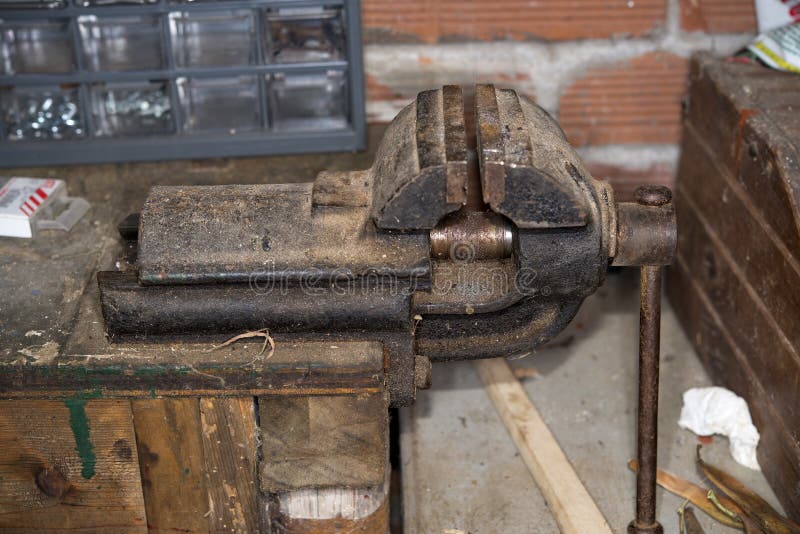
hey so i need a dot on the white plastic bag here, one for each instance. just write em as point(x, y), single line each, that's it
point(778, 43)
point(776, 13)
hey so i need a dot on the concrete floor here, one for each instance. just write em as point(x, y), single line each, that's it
point(461, 471)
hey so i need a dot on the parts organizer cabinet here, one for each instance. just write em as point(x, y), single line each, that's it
point(123, 80)
point(735, 283)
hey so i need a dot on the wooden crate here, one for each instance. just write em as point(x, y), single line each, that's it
point(735, 283)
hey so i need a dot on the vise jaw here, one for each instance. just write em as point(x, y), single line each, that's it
point(476, 233)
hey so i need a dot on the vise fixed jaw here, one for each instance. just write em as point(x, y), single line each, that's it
point(476, 233)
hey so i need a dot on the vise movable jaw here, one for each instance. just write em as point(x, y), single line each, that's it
point(460, 242)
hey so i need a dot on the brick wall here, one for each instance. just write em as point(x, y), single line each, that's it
point(612, 71)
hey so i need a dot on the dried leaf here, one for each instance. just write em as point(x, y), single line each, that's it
point(756, 508)
point(696, 495)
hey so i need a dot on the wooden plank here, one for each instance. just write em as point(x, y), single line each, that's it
point(769, 171)
point(229, 447)
point(773, 359)
point(323, 441)
point(573, 507)
point(172, 464)
point(763, 258)
point(746, 114)
point(778, 452)
point(83, 454)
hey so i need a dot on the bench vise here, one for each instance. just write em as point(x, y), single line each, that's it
point(476, 233)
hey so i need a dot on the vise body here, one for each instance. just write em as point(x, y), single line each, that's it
point(476, 233)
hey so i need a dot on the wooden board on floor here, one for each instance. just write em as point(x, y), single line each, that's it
point(89, 450)
point(573, 507)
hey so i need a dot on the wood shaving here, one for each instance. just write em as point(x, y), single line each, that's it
point(264, 332)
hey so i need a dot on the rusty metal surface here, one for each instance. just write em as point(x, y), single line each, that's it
point(659, 250)
point(513, 331)
point(469, 287)
point(647, 232)
point(341, 188)
point(529, 171)
point(234, 234)
point(466, 236)
point(131, 309)
point(647, 420)
point(419, 174)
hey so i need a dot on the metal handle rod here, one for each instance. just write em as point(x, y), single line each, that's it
point(647, 442)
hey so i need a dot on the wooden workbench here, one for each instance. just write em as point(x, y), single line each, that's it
point(176, 437)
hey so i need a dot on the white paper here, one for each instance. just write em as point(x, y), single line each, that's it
point(715, 410)
point(776, 13)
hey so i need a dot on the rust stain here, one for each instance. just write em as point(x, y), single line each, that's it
point(744, 115)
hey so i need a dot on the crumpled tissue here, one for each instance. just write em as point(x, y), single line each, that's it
point(716, 410)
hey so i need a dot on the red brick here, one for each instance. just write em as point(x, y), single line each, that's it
point(635, 101)
point(406, 21)
point(385, 101)
point(429, 21)
point(379, 91)
point(625, 180)
point(718, 16)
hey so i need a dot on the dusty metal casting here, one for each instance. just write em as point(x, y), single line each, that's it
point(476, 233)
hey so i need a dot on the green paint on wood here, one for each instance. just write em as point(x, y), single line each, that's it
point(158, 370)
point(80, 429)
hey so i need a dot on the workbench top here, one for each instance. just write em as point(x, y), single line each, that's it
point(51, 328)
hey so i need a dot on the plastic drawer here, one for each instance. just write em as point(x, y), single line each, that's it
point(36, 47)
point(32, 4)
point(308, 101)
point(100, 3)
point(213, 39)
point(41, 113)
point(303, 34)
point(90, 81)
point(219, 104)
point(127, 109)
point(121, 43)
